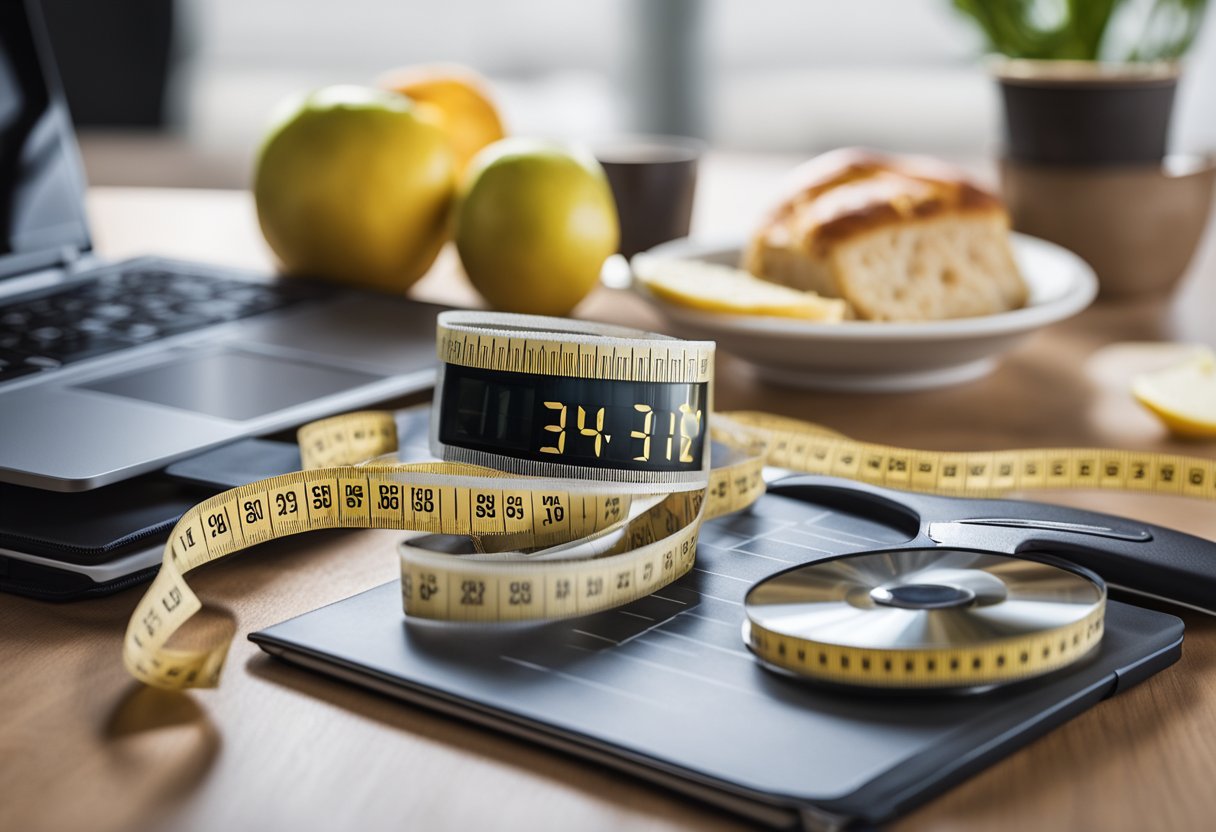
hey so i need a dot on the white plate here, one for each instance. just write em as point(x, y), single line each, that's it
point(881, 356)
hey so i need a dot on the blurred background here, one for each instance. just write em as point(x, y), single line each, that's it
point(179, 92)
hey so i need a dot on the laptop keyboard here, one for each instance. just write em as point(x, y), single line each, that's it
point(120, 309)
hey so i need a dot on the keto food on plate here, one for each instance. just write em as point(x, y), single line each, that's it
point(713, 287)
point(899, 238)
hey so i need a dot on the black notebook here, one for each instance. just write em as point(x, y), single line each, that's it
point(664, 688)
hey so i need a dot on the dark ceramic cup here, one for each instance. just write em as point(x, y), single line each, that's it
point(653, 181)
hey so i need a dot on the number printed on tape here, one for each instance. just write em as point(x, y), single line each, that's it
point(628, 426)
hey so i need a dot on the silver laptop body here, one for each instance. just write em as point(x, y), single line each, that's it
point(97, 419)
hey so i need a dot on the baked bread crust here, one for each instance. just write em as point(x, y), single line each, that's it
point(899, 238)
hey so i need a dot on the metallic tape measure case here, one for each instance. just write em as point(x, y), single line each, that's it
point(515, 393)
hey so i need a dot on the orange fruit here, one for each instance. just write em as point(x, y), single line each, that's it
point(457, 100)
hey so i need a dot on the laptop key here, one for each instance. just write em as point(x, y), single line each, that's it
point(47, 334)
point(42, 362)
point(112, 311)
point(140, 331)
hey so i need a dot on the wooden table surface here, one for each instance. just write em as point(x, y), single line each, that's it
point(275, 747)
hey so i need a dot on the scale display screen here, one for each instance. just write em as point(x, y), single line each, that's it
point(631, 425)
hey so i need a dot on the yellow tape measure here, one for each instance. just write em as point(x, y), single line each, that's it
point(578, 458)
point(598, 441)
point(803, 447)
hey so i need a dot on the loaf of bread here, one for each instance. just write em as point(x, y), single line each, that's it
point(898, 238)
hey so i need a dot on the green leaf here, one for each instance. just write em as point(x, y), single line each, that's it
point(1078, 29)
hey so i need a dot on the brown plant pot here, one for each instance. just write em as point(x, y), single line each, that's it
point(1137, 225)
point(1081, 113)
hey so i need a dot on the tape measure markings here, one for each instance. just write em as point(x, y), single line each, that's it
point(981, 473)
point(615, 552)
point(658, 359)
point(450, 498)
point(994, 662)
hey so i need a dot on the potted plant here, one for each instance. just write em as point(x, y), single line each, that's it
point(1088, 90)
point(1087, 82)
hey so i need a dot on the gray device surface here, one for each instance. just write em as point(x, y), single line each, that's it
point(664, 688)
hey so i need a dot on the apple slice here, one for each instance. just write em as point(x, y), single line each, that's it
point(1183, 396)
point(716, 288)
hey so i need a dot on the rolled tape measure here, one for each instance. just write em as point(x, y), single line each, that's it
point(578, 459)
point(581, 459)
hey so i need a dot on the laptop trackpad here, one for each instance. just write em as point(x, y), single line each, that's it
point(232, 385)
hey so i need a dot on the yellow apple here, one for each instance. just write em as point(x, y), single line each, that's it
point(534, 223)
point(351, 185)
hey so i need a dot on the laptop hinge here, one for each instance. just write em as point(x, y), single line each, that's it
point(27, 262)
point(31, 271)
point(69, 255)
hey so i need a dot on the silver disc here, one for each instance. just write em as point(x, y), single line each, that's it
point(924, 618)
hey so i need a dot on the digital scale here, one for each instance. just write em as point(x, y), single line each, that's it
point(666, 689)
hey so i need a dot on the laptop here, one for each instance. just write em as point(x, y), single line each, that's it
point(110, 370)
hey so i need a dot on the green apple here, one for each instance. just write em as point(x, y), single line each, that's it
point(534, 223)
point(353, 186)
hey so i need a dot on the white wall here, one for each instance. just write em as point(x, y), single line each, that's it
point(789, 75)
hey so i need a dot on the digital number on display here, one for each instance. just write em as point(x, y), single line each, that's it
point(651, 426)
